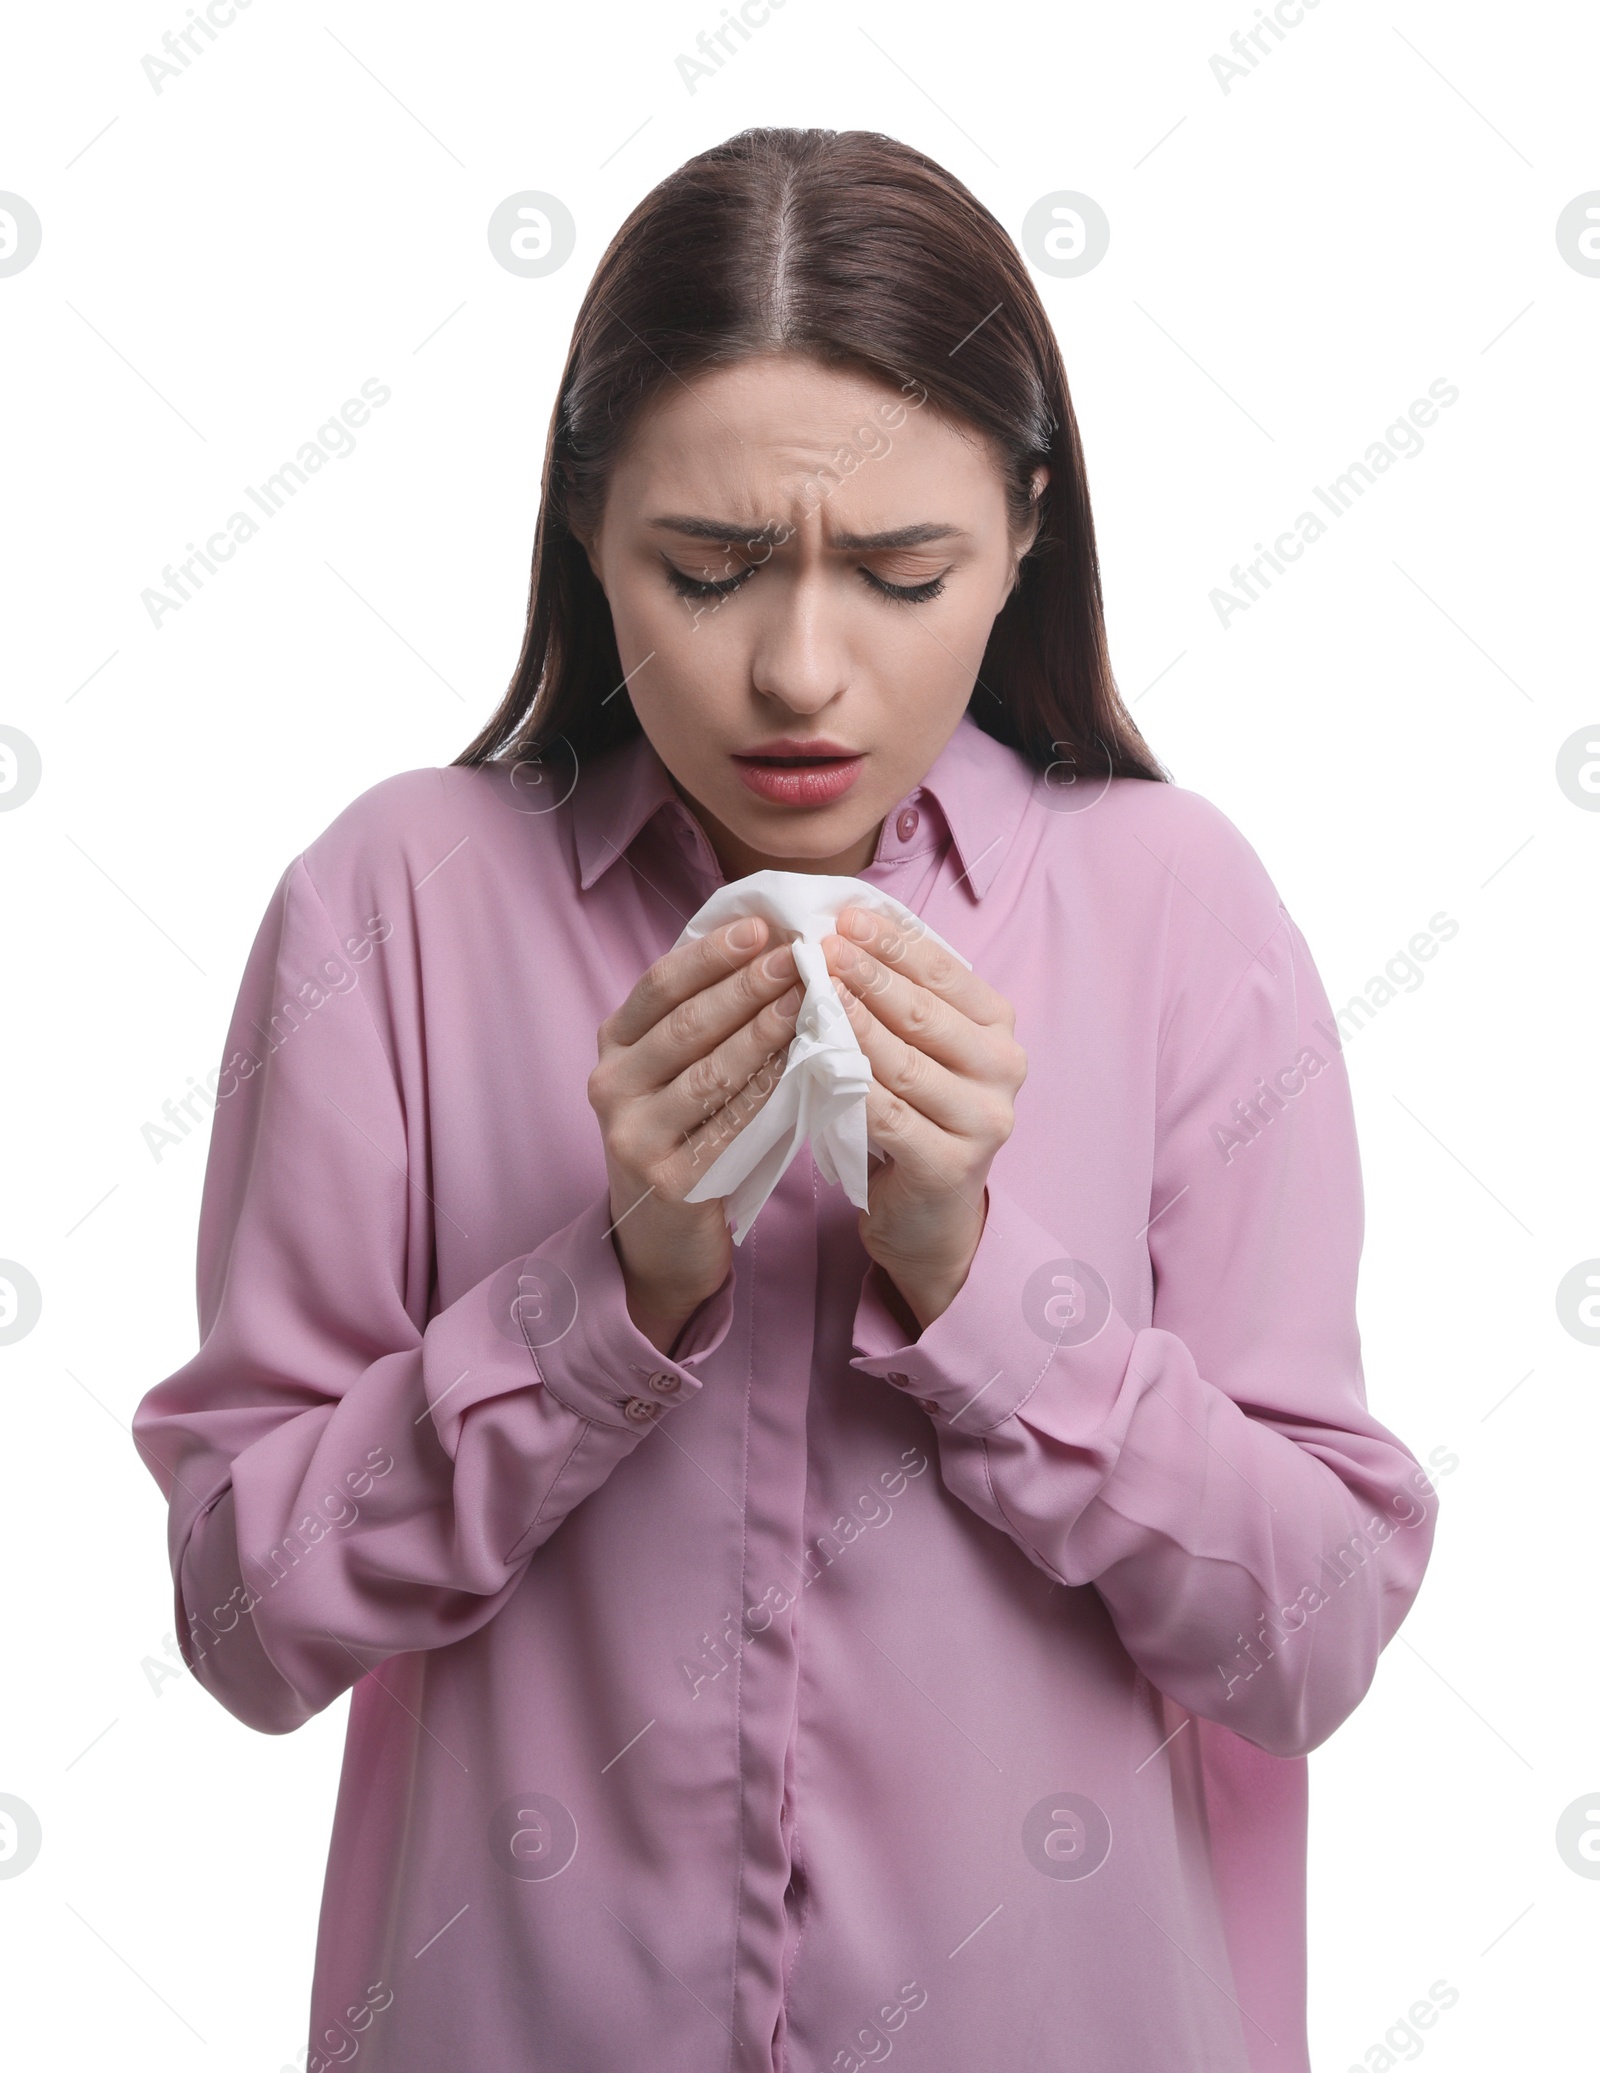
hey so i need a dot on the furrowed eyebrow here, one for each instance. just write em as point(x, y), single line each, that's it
point(727, 534)
point(716, 529)
point(900, 536)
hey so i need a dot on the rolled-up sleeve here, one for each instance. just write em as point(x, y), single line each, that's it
point(347, 1477)
point(1256, 1534)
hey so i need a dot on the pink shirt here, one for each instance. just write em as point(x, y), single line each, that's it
point(810, 1694)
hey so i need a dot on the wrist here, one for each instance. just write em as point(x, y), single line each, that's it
point(660, 1314)
point(659, 1310)
point(663, 1328)
point(929, 1299)
point(894, 1301)
point(920, 1291)
point(916, 1296)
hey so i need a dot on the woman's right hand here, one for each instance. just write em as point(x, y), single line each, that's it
point(690, 1056)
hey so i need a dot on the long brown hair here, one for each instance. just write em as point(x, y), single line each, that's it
point(857, 251)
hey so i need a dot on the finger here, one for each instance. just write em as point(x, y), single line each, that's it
point(687, 969)
point(952, 1103)
point(909, 947)
point(913, 1011)
point(697, 1021)
point(932, 1156)
point(691, 1031)
point(702, 1147)
point(707, 1084)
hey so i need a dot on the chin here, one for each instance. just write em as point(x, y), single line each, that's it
point(815, 838)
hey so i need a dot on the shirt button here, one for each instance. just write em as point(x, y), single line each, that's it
point(664, 1384)
point(908, 823)
point(639, 1411)
point(901, 1381)
point(926, 1403)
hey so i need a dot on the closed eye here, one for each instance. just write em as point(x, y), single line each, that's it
point(690, 586)
point(902, 593)
point(907, 593)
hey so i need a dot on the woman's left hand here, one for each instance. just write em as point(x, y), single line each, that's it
point(946, 1068)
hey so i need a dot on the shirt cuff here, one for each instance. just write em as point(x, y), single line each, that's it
point(1029, 1326)
point(559, 1317)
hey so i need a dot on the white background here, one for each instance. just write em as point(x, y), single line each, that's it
point(1292, 262)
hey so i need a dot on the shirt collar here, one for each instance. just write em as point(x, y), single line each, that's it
point(979, 784)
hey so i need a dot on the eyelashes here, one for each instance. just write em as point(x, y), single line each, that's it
point(906, 593)
point(687, 586)
point(900, 593)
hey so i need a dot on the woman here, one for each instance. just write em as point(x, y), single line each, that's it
point(905, 1630)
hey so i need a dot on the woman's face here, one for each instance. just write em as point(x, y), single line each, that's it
point(803, 566)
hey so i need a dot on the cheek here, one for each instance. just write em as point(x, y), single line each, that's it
point(972, 608)
point(687, 661)
point(671, 648)
point(935, 649)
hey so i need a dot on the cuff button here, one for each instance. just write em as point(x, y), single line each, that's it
point(900, 1381)
point(926, 1403)
point(639, 1411)
point(664, 1384)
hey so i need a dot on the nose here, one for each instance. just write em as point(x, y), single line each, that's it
point(799, 659)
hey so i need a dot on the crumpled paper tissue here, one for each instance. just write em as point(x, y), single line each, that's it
point(822, 1094)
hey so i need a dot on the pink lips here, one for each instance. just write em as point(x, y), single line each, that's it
point(800, 773)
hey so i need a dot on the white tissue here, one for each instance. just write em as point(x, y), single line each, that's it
point(822, 1093)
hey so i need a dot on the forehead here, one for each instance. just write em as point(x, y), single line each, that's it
point(767, 426)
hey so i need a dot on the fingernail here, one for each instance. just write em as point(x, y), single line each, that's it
point(778, 964)
point(745, 934)
point(788, 1004)
point(857, 924)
